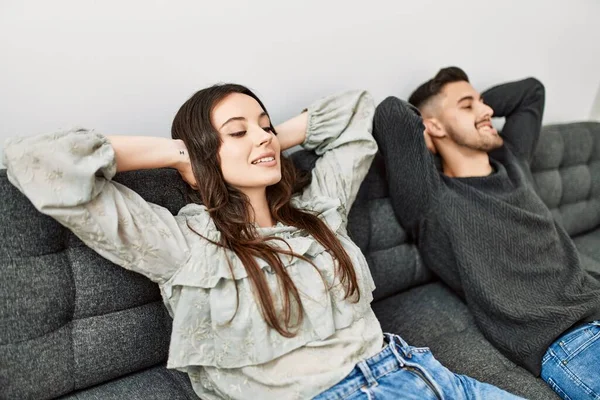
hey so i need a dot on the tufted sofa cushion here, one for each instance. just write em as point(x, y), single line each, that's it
point(566, 171)
point(69, 318)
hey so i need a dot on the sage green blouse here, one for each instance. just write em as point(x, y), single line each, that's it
point(68, 176)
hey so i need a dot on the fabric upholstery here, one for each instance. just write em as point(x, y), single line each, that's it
point(156, 383)
point(74, 325)
point(69, 318)
point(566, 171)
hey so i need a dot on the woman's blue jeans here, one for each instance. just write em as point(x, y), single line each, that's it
point(401, 371)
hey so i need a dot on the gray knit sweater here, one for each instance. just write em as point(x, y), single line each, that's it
point(491, 239)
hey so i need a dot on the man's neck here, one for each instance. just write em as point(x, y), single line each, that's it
point(466, 164)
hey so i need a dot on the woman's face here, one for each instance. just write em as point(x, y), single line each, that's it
point(250, 151)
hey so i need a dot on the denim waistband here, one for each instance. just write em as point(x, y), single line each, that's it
point(391, 358)
point(574, 331)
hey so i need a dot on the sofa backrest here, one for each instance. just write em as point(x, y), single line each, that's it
point(69, 319)
point(566, 172)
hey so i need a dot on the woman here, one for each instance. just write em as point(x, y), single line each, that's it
point(270, 299)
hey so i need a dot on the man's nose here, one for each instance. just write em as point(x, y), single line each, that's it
point(486, 111)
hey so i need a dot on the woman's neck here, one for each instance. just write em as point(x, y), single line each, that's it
point(260, 208)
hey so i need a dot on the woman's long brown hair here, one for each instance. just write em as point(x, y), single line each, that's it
point(230, 210)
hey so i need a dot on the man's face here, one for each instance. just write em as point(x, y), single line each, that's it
point(466, 118)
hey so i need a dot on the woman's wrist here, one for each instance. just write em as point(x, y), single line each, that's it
point(147, 152)
point(293, 131)
point(180, 154)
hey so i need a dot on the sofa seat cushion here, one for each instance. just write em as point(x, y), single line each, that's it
point(433, 316)
point(156, 383)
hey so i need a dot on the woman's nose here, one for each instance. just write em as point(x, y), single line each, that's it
point(263, 137)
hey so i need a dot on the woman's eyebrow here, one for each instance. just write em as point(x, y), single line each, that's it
point(262, 114)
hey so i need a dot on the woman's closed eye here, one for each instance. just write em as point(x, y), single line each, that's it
point(242, 133)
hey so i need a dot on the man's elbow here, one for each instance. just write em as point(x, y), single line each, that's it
point(535, 86)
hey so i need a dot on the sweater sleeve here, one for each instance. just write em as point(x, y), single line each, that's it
point(522, 103)
point(339, 132)
point(412, 176)
point(68, 176)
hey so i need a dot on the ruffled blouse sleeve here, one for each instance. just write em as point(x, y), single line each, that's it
point(68, 176)
point(339, 131)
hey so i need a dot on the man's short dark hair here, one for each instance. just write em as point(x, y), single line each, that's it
point(434, 86)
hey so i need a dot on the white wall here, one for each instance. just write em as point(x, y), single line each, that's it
point(125, 66)
point(595, 112)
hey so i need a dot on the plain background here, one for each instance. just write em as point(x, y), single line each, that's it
point(126, 66)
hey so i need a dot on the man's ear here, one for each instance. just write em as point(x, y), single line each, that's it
point(433, 129)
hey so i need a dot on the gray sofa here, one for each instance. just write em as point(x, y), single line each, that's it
point(75, 326)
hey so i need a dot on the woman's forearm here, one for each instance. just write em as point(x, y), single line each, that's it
point(293, 131)
point(147, 152)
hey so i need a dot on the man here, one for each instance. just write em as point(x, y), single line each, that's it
point(482, 228)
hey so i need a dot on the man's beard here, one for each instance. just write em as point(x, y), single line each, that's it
point(485, 143)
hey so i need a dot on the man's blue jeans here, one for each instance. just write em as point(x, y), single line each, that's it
point(571, 366)
point(401, 371)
